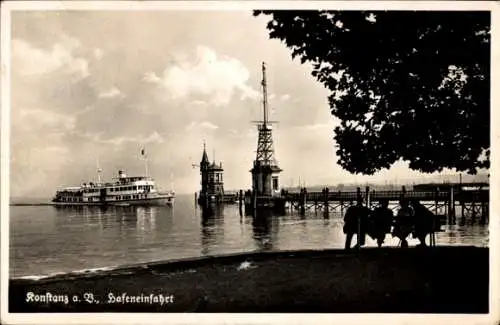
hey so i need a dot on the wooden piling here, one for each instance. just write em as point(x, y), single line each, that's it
point(302, 203)
point(325, 200)
point(473, 208)
point(358, 239)
point(341, 205)
point(240, 201)
point(436, 201)
point(451, 206)
point(484, 211)
point(315, 204)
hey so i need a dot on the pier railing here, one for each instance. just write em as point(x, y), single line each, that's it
point(477, 195)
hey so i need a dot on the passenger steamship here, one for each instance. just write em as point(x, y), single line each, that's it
point(137, 190)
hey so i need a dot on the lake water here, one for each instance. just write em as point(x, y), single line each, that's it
point(46, 240)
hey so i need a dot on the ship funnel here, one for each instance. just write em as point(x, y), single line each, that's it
point(121, 173)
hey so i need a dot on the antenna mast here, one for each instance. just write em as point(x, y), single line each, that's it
point(264, 92)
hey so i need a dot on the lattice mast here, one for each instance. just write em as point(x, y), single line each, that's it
point(265, 146)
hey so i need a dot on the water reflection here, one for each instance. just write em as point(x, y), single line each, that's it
point(127, 217)
point(211, 218)
point(264, 228)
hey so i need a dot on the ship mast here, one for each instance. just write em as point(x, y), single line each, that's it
point(144, 156)
point(99, 171)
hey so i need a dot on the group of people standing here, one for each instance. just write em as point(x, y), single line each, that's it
point(411, 218)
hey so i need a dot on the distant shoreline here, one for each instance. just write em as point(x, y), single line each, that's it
point(387, 280)
point(28, 204)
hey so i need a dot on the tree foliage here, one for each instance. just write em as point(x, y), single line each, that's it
point(405, 85)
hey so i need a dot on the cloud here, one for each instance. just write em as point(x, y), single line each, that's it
point(29, 61)
point(202, 125)
point(215, 79)
point(98, 54)
point(151, 77)
point(199, 103)
point(38, 120)
point(317, 126)
point(285, 97)
point(113, 92)
point(154, 137)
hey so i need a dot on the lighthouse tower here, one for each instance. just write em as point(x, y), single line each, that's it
point(265, 171)
point(212, 183)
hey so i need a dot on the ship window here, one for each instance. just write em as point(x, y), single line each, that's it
point(135, 188)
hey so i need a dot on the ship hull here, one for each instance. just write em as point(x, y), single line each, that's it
point(155, 201)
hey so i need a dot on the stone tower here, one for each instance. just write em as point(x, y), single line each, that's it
point(212, 182)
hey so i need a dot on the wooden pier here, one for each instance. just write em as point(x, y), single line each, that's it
point(469, 200)
point(441, 200)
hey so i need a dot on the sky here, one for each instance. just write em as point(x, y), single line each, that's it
point(91, 88)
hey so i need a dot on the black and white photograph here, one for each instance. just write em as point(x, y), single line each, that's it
point(223, 161)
